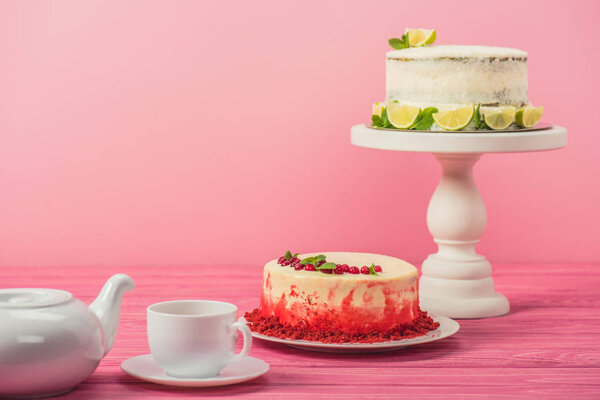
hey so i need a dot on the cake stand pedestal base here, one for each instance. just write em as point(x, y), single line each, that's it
point(456, 281)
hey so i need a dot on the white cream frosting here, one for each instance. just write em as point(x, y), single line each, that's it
point(440, 75)
point(444, 51)
point(398, 277)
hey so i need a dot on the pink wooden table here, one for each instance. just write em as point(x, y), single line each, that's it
point(547, 347)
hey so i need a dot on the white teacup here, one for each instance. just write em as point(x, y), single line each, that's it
point(195, 338)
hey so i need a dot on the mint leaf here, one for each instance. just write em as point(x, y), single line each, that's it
point(371, 269)
point(327, 265)
point(308, 260)
point(477, 116)
point(399, 44)
point(479, 121)
point(288, 255)
point(313, 260)
point(377, 121)
point(296, 254)
point(385, 120)
point(425, 119)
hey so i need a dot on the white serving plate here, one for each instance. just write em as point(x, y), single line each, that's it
point(448, 327)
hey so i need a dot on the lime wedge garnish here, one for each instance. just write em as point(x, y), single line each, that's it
point(402, 116)
point(498, 117)
point(453, 120)
point(378, 108)
point(528, 116)
point(420, 37)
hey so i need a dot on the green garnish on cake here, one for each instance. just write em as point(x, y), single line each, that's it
point(319, 263)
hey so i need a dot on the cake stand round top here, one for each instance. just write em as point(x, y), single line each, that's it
point(553, 137)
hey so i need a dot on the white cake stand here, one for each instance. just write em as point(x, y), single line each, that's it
point(456, 281)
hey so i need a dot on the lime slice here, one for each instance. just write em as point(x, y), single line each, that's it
point(378, 108)
point(498, 117)
point(453, 120)
point(402, 116)
point(528, 116)
point(420, 37)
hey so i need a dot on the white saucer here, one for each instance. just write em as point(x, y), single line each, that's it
point(448, 327)
point(144, 367)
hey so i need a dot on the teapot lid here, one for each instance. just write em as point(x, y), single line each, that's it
point(28, 298)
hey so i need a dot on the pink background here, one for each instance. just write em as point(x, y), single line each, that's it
point(180, 133)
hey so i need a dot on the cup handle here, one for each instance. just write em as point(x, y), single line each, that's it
point(242, 327)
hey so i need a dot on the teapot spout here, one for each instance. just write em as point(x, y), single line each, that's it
point(107, 306)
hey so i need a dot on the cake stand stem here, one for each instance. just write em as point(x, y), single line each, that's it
point(456, 281)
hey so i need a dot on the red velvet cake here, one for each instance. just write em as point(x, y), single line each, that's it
point(340, 297)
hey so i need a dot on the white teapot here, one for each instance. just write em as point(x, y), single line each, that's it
point(51, 341)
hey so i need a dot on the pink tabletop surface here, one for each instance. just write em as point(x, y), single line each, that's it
point(547, 347)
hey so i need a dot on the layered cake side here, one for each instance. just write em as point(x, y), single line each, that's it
point(454, 75)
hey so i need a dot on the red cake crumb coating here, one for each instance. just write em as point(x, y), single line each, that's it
point(269, 325)
point(344, 317)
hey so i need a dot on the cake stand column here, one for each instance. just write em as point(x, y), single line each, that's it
point(456, 281)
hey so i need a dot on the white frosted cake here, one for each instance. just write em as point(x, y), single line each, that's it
point(345, 302)
point(340, 297)
point(442, 76)
point(454, 87)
